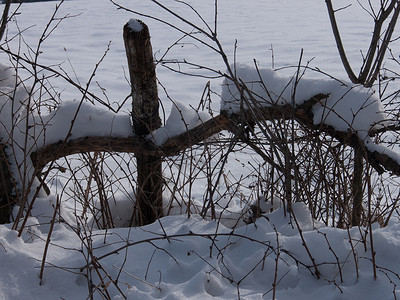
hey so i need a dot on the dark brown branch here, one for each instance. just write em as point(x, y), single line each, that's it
point(385, 128)
point(43, 156)
point(357, 187)
point(174, 145)
point(373, 61)
point(196, 135)
point(4, 18)
point(7, 201)
point(339, 43)
point(385, 43)
point(374, 43)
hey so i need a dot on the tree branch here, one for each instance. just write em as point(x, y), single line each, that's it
point(376, 35)
point(339, 43)
point(4, 19)
point(174, 145)
point(385, 43)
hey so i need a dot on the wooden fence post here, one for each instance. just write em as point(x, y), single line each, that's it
point(145, 119)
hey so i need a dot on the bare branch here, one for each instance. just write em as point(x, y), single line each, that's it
point(4, 18)
point(385, 43)
point(339, 43)
point(374, 43)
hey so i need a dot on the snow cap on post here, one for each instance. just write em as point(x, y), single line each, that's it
point(135, 25)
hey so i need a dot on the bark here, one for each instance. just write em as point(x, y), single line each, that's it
point(174, 145)
point(4, 18)
point(145, 119)
point(142, 73)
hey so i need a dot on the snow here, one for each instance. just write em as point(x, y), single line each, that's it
point(180, 257)
point(348, 107)
point(203, 259)
point(181, 119)
point(90, 121)
point(70, 120)
point(135, 25)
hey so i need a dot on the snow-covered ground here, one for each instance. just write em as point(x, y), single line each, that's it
point(190, 258)
point(204, 260)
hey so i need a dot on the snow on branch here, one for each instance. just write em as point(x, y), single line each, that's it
point(348, 108)
point(345, 112)
point(350, 113)
point(26, 128)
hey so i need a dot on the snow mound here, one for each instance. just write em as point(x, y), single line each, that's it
point(190, 258)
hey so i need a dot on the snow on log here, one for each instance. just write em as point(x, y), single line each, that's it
point(349, 113)
point(348, 107)
point(93, 129)
point(24, 131)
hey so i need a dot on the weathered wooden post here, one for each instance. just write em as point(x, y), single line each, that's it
point(145, 119)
